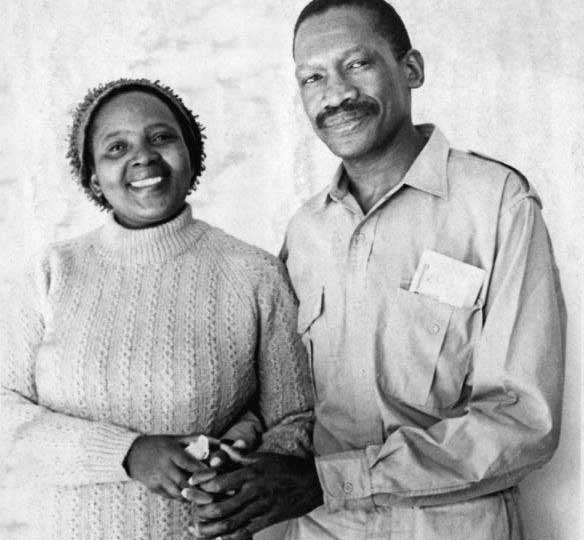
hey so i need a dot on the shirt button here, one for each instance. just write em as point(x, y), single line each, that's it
point(435, 328)
point(348, 487)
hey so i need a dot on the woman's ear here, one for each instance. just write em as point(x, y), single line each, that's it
point(94, 185)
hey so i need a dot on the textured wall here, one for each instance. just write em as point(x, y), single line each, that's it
point(504, 78)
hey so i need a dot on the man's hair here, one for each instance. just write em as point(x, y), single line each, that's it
point(389, 24)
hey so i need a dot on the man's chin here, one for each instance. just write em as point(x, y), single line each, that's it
point(348, 150)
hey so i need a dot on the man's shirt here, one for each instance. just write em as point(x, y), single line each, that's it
point(420, 402)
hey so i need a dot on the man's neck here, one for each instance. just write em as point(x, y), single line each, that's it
point(370, 178)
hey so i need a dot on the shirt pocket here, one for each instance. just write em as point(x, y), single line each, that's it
point(312, 328)
point(427, 350)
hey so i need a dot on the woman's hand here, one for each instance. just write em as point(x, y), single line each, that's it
point(161, 463)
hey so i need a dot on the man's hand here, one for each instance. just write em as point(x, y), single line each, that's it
point(162, 465)
point(272, 489)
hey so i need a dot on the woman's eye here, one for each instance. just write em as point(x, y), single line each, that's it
point(116, 148)
point(162, 137)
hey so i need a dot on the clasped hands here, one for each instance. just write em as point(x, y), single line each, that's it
point(163, 465)
point(235, 495)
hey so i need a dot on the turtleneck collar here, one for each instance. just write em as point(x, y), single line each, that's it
point(151, 245)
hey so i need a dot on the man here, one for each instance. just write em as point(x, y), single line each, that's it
point(429, 305)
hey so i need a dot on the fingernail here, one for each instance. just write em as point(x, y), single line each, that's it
point(231, 492)
point(185, 494)
point(201, 477)
point(215, 461)
point(239, 443)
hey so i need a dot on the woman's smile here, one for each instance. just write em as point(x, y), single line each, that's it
point(146, 182)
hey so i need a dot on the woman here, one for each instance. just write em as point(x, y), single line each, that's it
point(150, 328)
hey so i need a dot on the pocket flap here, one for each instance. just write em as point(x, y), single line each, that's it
point(310, 309)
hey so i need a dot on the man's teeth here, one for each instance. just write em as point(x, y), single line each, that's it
point(147, 182)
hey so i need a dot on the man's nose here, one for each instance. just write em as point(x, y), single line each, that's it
point(339, 89)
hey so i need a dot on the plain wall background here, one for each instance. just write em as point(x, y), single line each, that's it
point(504, 78)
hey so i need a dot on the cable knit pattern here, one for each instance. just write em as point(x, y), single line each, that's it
point(174, 329)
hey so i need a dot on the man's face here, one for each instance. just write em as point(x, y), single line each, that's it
point(354, 91)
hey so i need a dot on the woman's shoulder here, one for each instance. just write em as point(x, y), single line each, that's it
point(44, 267)
point(245, 261)
point(62, 251)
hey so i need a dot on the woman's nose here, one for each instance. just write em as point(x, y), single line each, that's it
point(145, 155)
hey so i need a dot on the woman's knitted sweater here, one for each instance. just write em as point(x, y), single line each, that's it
point(175, 329)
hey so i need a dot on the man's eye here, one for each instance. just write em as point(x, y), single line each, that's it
point(358, 64)
point(311, 79)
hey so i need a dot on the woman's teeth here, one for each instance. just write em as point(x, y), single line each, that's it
point(147, 182)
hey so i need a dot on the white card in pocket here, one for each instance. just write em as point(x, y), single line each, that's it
point(447, 280)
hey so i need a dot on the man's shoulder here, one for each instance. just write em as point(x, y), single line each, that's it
point(483, 164)
point(487, 175)
point(310, 209)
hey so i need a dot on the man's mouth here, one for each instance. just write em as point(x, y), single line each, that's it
point(344, 118)
point(146, 182)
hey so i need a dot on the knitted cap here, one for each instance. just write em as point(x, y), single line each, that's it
point(84, 114)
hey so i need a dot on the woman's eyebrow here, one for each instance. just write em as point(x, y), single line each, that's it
point(160, 124)
point(112, 134)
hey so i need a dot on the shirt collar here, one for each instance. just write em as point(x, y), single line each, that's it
point(427, 173)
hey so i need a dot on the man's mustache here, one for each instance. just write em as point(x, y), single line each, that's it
point(347, 106)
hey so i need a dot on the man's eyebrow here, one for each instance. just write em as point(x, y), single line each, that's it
point(344, 54)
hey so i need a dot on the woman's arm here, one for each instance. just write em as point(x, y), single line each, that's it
point(39, 445)
point(286, 397)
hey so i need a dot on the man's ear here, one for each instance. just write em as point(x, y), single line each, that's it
point(94, 185)
point(414, 68)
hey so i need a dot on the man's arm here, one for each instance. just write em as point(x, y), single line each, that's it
point(512, 420)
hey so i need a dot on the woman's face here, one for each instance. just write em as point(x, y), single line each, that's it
point(141, 161)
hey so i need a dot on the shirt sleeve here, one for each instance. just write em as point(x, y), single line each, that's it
point(511, 423)
point(286, 398)
point(39, 445)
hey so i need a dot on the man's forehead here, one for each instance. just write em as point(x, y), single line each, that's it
point(337, 28)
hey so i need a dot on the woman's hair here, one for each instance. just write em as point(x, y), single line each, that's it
point(80, 150)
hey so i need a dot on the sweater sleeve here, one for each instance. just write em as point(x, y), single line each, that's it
point(285, 390)
point(37, 444)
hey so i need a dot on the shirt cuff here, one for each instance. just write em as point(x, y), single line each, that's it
point(345, 479)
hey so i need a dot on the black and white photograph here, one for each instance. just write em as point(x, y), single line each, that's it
point(291, 270)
